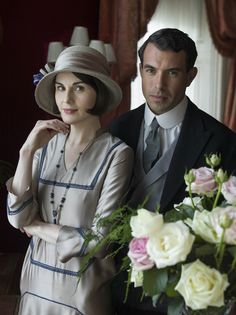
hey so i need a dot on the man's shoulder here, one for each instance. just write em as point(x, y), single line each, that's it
point(208, 121)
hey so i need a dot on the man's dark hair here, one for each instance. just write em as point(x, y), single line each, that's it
point(172, 39)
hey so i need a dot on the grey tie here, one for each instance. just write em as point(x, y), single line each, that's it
point(151, 153)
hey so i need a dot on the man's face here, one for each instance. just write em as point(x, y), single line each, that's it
point(164, 78)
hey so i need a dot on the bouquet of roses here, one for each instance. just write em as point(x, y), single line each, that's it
point(189, 253)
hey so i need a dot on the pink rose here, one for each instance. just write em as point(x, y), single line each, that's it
point(229, 190)
point(138, 254)
point(204, 183)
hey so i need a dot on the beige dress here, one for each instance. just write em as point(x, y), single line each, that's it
point(49, 283)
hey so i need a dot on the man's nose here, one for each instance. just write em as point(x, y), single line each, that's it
point(160, 80)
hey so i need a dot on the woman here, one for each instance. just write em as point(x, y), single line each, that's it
point(69, 173)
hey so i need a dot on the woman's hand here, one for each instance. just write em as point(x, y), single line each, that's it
point(31, 229)
point(43, 132)
point(24, 231)
point(46, 231)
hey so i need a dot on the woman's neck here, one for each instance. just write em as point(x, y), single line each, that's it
point(83, 133)
point(79, 140)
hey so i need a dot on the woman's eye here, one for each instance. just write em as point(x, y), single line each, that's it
point(79, 88)
point(59, 88)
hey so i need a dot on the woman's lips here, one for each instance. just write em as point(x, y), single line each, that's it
point(69, 111)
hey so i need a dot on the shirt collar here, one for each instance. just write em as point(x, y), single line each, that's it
point(169, 119)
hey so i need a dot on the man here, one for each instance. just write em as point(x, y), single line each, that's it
point(183, 136)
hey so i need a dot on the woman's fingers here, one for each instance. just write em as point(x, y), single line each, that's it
point(53, 124)
point(43, 131)
point(23, 231)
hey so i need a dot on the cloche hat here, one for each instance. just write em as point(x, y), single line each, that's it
point(78, 59)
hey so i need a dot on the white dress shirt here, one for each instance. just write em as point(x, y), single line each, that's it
point(169, 122)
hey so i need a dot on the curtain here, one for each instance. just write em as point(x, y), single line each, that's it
point(222, 24)
point(122, 23)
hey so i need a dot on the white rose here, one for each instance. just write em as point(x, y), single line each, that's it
point(202, 226)
point(171, 245)
point(145, 223)
point(219, 218)
point(201, 286)
point(136, 277)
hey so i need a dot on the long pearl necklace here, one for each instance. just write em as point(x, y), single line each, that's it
point(56, 210)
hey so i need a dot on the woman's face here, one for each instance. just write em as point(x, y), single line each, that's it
point(73, 97)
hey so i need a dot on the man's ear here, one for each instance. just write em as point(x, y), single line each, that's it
point(191, 75)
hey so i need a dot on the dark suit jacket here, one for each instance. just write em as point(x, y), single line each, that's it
point(200, 134)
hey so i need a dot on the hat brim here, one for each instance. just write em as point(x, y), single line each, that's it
point(45, 90)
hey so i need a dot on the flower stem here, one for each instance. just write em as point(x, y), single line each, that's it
point(220, 251)
point(233, 264)
point(191, 195)
point(127, 285)
point(217, 196)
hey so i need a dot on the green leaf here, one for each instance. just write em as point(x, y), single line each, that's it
point(175, 306)
point(232, 251)
point(173, 215)
point(170, 290)
point(183, 212)
point(207, 203)
point(173, 279)
point(188, 211)
point(155, 281)
point(205, 250)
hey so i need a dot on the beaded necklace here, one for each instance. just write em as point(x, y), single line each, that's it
point(56, 211)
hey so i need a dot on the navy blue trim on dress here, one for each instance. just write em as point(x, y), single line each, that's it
point(53, 268)
point(82, 233)
point(49, 267)
point(21, 208)
point(49, 300)
point(78, 186)
point(83, 249)
point(40, 166)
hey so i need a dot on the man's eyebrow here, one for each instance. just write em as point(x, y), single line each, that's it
point(148, 66)
point(174, 69)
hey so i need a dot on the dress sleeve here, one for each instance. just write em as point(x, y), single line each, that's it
point(21, 210)
point(70, 241)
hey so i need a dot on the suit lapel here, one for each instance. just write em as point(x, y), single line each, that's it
point(192, 140)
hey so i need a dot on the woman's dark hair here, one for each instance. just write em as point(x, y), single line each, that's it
point(172, 39)
point(100, 106)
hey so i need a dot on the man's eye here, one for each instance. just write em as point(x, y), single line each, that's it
point(150, 70)
point(173, 73)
